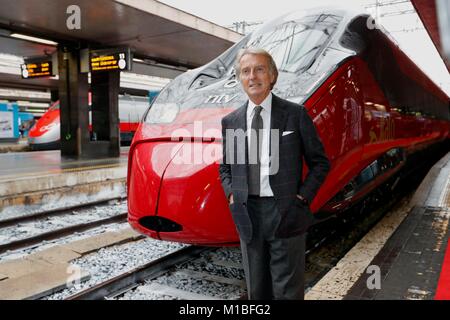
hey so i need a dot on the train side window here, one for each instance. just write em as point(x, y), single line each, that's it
point(375, 168)
point(364, 177)
point(346, 193)
point(402, 83)
point(386, 162)
point(349, 191)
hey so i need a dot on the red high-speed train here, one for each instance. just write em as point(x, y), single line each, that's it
point(372, 106)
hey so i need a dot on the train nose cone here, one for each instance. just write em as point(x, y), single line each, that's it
point(188, 204)
point(148, 161)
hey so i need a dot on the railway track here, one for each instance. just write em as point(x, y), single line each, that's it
point(202, 272)
point(13, 223)
point(54, 212)
point(194, 272)
point(127, 281)
point(216, 273)
point(59, 233)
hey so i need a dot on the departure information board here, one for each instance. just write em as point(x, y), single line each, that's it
point(109, 60)
point(36, 69)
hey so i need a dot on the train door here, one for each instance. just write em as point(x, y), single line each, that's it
point(340, 109)
point(338, 115)
point(125, 113)
point(379, 123)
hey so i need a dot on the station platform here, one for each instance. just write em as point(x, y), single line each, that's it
point(414, 263)
point(19, 146)
point(406, 256)
point(38, 163)
point(32, 182)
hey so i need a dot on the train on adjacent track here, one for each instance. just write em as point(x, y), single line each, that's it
point(45, 134)
point(372, 106)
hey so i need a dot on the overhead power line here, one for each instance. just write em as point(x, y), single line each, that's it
point(388, 3)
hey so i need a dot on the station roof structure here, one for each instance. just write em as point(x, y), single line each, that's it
point(154, 31)
point(427, 12)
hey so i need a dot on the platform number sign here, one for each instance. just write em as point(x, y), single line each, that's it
point(36, 69)
point(110, 60)
point(122, 63)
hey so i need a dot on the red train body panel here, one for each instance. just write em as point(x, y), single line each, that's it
point(371, 117)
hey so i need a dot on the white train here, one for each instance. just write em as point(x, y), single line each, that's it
point(45, 134)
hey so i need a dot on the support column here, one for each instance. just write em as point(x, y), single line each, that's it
point(73, 95)
point(54, 95)
point(105, 109)
point(76, 139)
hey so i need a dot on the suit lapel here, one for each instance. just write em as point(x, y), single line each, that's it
point(278, 114)
point(241, 117)
point(277, 119)
point(241, 124)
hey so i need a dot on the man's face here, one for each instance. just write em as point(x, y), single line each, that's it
point(256, 77)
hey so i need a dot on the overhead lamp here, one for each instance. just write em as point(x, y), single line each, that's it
point(34, 39)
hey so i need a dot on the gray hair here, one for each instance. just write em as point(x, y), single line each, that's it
point(260, 52)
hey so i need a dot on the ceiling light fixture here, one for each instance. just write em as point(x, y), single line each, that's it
point(34, 39)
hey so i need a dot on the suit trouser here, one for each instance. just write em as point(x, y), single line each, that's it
point(274, 267)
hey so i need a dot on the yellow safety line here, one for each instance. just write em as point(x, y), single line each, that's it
point(91, 167)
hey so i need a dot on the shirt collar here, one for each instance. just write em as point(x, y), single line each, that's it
point(266, 105)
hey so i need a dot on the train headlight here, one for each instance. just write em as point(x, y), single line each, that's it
point(162, 113)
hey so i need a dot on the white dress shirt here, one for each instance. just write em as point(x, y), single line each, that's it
point(266, 190)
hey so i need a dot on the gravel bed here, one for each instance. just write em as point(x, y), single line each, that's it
point(77, 216)
point(113, 261)
point(226, 253)
point(142, 293)
point(204, 287)
point(207, 264)
point(211, 268)
point(178, 280)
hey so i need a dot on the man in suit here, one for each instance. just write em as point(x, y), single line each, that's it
point(262, 180)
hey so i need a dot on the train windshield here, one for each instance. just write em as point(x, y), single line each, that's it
point(294, 41)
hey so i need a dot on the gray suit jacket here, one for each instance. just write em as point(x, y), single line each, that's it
point(303, 143)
